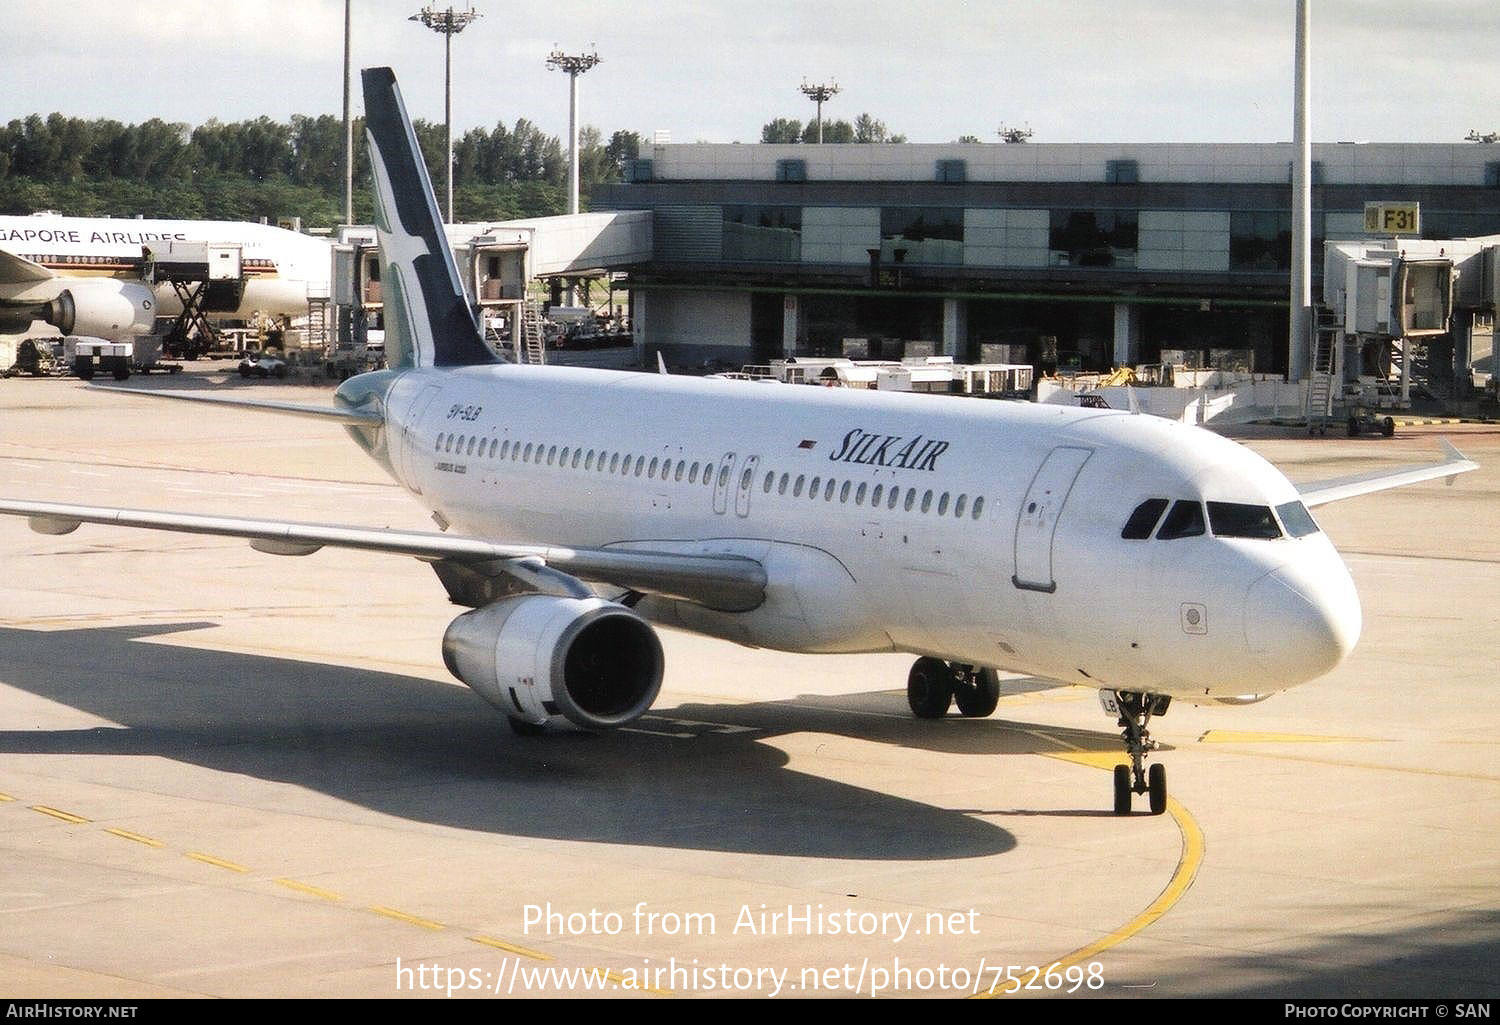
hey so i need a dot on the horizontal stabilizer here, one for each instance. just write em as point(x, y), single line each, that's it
point(328, 414)
point(1340, 488)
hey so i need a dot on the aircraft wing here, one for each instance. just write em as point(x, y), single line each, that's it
point(1340, 488)
point(729, 583)
point(328, 414)
point(17, 270)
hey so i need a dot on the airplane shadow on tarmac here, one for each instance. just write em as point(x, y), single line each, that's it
point(437, 753)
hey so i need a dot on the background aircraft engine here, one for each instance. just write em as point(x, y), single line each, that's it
point(102, 309)
point(536, 656)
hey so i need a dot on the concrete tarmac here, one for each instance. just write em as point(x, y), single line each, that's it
point(225, 773)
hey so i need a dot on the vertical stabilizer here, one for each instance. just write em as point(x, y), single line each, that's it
point(428, 320)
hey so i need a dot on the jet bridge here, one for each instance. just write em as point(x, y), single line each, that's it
point(497, 261)
point(1400, 316)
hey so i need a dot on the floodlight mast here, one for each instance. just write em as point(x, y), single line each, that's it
point(1300, 317)
point(450, 23)
point(348, 125)
point(574, 65)
point(819, 93)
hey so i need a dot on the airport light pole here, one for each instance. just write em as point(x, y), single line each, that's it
point(450, 23)
point(348, 126)
point(574, 65)
point(1299, 327)
point(819, 93)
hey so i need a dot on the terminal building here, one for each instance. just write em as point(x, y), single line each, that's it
point(1088, 255)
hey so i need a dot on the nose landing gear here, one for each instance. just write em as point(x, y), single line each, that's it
point(1134, 710)
point(933, 685)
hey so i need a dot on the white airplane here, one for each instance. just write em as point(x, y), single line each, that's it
point(1143, 557)
point(83, 275)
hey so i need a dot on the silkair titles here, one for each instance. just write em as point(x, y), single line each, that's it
point(870, 449)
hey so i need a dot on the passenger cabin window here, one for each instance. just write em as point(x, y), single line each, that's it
point(1296, 519)
point(1145, 517)
point(1232, 519)
point(1185, 520)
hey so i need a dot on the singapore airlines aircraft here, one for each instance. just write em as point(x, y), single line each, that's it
point(1143, 557)
point(82, 275)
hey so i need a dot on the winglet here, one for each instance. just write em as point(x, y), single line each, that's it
point(1454, 456)
point(661, 364)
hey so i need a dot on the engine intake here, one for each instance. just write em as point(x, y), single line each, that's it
point(594, 662)
point(102, 308)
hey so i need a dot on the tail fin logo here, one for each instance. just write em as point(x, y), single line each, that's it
point(429, 322)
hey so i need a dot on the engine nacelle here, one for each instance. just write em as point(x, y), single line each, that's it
point(535, 656)
point(103, 308)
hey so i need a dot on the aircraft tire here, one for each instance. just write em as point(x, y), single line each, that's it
point(979, 700)
point(929, 688)
point(522, 728)
point(1122, 790)
point(1156, 788)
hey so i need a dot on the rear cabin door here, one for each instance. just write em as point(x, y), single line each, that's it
point(747, 484)
point(1037, 522)
point(722, 483)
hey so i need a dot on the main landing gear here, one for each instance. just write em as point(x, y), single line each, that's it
point(1134, 711)
point(933, 685)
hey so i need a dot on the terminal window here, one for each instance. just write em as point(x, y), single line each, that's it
point(1094, 238)
point(923, 235)
point(771, 234)
point(1260, 240)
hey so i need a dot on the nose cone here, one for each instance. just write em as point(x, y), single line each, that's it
point(1301, 623)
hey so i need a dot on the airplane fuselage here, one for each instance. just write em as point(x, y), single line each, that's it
point(279, 265)
point(978, 532)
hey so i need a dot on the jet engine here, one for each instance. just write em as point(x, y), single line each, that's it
point(535, 656)
point(102, 308)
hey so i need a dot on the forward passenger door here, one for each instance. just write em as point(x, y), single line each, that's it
point(1036, 525)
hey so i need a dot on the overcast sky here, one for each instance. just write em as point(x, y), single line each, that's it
point(1075, 70)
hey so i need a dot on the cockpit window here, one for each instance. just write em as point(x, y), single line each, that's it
point(1233, 519)
point(1297, 520)
point(1185, 520)
point(1138, 527)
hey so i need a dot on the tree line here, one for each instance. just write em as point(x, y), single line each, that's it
point(864, 129)
point(245, 170)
